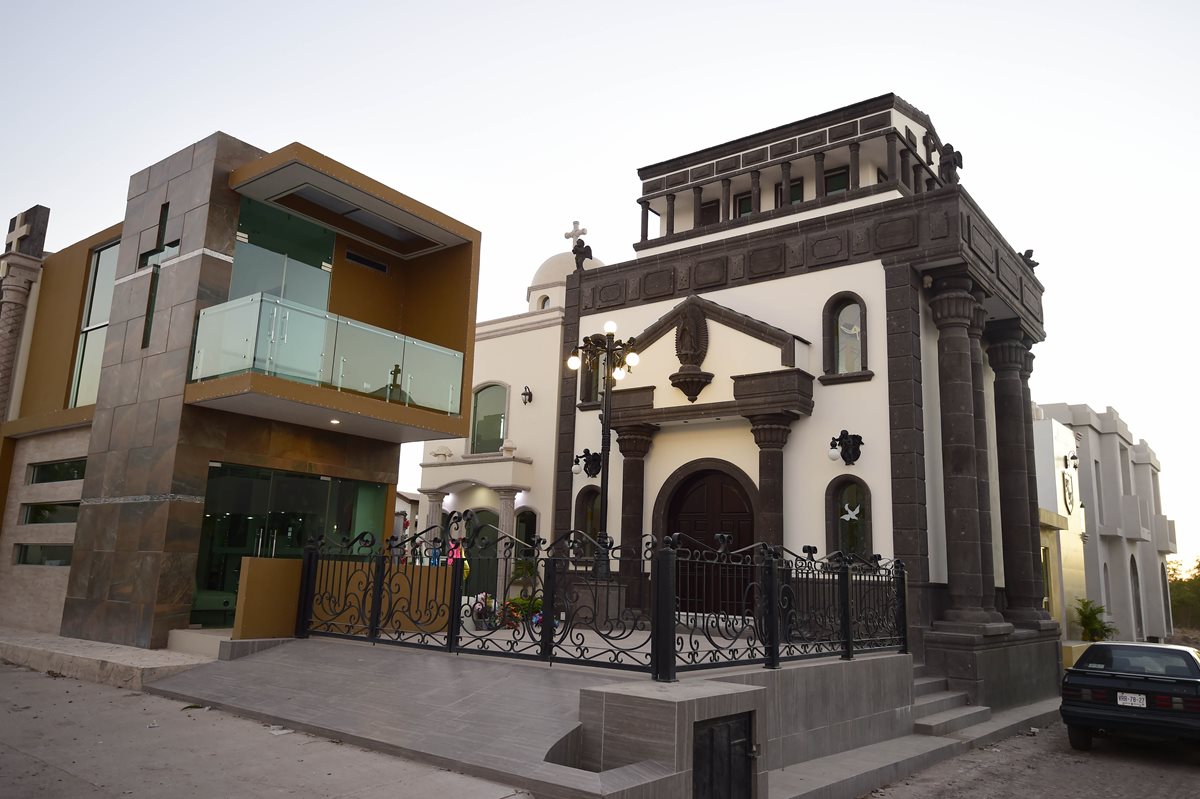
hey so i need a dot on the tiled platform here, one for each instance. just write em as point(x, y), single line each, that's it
point(109, 664)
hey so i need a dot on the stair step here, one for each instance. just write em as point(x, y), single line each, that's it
point(929, 685)
point(927, 705)
point(920, 670)
point(953, 720)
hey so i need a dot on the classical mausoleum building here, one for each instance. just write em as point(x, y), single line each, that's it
point(228, 372)
point(824, 277)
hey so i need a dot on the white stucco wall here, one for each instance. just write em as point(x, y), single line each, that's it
point(935, 499)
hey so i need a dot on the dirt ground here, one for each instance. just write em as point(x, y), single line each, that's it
point(1044, 765)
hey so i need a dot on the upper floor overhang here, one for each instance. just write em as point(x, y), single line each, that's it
point(302, 181)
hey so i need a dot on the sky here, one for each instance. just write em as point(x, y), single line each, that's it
point(519, 117)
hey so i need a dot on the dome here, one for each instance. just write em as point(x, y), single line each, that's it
point(556, 268)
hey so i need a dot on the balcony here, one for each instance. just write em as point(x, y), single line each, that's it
point(261, 334)
point(1135, 518)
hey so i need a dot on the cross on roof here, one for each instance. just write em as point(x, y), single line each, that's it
point(576, 231)
point(27, 232)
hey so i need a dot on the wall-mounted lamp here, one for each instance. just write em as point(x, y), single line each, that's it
point(589, 463)
point(847, 446)
point(1071, 461)
point(526, 396)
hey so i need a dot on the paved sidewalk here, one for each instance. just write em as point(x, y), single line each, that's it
point(108, 664)
point(62, 738)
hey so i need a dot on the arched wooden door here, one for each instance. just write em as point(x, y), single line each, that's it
point(706, 503)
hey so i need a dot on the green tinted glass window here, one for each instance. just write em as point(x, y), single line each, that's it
point(57, 472)
point(43, 554)
point(50, 513)
point(487, 424)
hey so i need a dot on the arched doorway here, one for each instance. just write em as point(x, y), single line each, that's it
point(707, 502)
point(482, 579)
point(1135, 585)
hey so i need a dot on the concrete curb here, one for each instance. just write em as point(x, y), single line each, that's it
point(108, 664)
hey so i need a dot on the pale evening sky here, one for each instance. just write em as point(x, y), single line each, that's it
point(518, 117)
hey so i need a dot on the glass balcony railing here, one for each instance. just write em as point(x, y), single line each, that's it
point(263, 333)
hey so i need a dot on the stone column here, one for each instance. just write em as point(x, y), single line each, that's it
point(854, 167)
point(918, 173)
point(634, 442)
point(725, 210)
point(1035, 523)
point(18, 274)
point(892, 156)
point(953, 307)
point(819, 161)
point(507, 525)
point(1007, 357)
point(785, 187)
point(697, 200)
point(982, 477)
point(645, 219)
point(433, 508)
point(771, 431)
point(905, 170)
point(755, 192)
point(670, 214)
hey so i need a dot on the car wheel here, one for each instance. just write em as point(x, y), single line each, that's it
point(1080, 737)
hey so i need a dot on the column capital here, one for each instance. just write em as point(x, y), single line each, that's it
point(953, 305)
point(771, 430)
point(1027, 364)
point(433, 496)
point(1007, 355)
point(978, 317)
point(507, 493)
point(726, 182)
point(634, 440)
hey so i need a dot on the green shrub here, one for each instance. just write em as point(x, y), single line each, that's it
point(1090, 617)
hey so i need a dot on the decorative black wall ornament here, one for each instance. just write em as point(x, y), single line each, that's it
point(526, 396)
point(582, 252)
point(950, 163)
point(691, 346)
point(1027, 257)
point(848, 446)
point(590, 462)
point(1068, 492)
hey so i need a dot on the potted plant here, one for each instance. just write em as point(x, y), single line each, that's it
point(1089, 616)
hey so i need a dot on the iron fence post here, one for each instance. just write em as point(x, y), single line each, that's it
point(901, 578)
point(308, 588)
point(844, 601)
point(454, 623)
point(771, 587)
point(377, 594)
point(549, 607)
point(662, 614)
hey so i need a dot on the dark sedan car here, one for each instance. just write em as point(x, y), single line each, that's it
point(1136, 689)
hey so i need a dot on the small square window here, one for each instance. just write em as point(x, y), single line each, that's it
point(742, 205)
point(795, 194)
point(837, 180)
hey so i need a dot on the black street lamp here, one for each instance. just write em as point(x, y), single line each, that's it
point(619, 357)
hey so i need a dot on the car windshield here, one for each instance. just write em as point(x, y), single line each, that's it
point(1148, 661)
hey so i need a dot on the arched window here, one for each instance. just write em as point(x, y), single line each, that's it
point(543, 302)
point(848, 516)
point(526, 529)
point(1166, 598)
point(845, 339)
point(587, 514)
point(1106, 598)
point(487, 418)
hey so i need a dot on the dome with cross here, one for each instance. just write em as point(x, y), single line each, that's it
point(548, 288)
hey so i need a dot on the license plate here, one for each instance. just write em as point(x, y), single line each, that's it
point(1131, 700)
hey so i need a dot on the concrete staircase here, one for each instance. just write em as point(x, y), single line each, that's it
point(944, 726)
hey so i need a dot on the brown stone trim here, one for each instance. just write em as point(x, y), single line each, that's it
point(48, 422)
point(829, 331)
point(671, 484)
point(564, 454)
point(799, 128)
point(833, 514)
point(847, 377)
point(730, 318)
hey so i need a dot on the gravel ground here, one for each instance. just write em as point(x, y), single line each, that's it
point(1045, 765)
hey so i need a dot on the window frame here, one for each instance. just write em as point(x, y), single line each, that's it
point(20, 554)
point(26, 507)
point(84, 328)
point(796, 183)
point(737, 198)
point(833, 537)
point(837, 170)
point(504, 422)
point(829, 334)
point(31, 471)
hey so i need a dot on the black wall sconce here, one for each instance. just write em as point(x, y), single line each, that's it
point(1071, 461)
point(526, 396)
point(847, 446)
point(588, 463)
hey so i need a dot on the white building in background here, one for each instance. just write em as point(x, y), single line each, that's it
point(1126, 537)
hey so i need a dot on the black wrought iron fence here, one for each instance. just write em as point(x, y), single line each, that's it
point(678, 605)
